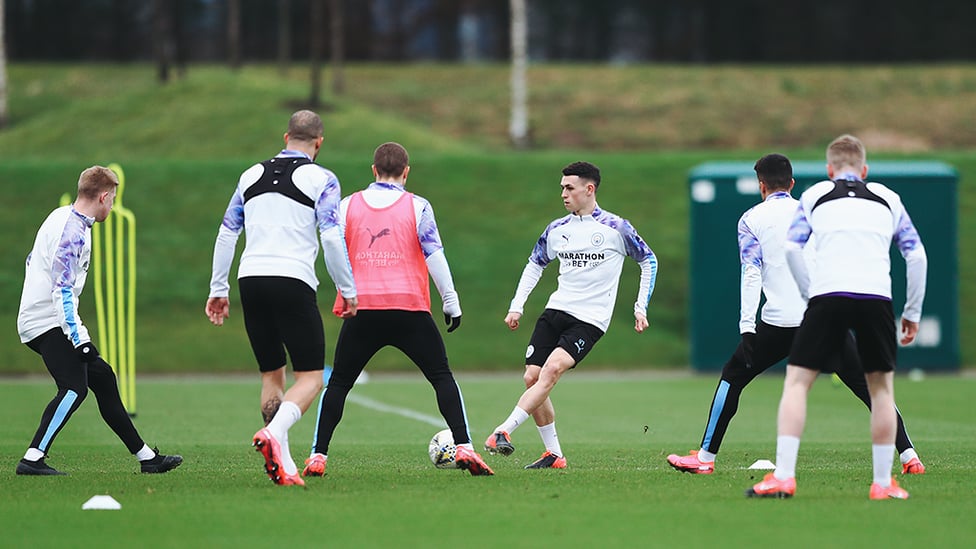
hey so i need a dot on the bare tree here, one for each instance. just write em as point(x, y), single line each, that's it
point(284, 35)
point(315, 51)
point(518, 129)
point(338, 38)
point(3, 73)
point(234, 33)
point(163, 38)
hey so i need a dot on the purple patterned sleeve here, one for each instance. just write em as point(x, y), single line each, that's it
point(800, 230)
point(750, 252)
point(540, 253)
point(327, 205)
point(430, 237)
point(906, 236)
point(634, 245)
point(234, 216)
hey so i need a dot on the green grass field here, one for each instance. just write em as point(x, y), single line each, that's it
point(380, 489)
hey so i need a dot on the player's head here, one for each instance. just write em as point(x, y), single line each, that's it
point(775, 172)
point(585, 171)
point(391, 161)
point(579, 184)
point(96, 191)
point(846, 153)
point(305, 125)
point(304, 132)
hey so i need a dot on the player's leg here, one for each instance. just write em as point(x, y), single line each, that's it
point(545, 421)
point(416, 335)
point(874, 331)
point(851, 373)
point(104, 385)
point(545, 337)
point(820, 335)
point(71, 378)
point(772, 345)
point(360, 337)
point(272, 392)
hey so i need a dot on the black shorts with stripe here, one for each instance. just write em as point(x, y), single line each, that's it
point(559, 329)
point(826, 323)
point(280, 314)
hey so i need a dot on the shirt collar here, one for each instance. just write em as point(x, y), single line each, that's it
point(90, 221)
point(380, 185)
point(288, 153)
point(848, 176)
point(777, 195)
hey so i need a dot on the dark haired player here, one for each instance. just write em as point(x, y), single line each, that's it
point(591, 245)
point(762, 239)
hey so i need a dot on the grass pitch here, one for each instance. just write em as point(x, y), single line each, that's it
point(380, 489)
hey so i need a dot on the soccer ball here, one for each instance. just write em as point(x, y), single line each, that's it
point(442, 450)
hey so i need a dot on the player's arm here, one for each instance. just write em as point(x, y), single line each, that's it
point(639, 251)
point(538, 260)
point(335, 253)
point(437, 266)
point(65, 266)
point(796, 238)
point(750, 280)
point(218, 303)
point(916, 270)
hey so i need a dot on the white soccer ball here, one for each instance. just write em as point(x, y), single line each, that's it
point(442, 450)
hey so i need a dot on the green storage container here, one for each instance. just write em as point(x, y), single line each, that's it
point(721, 191)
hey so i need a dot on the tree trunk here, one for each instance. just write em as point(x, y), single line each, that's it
point(162, 39)
point(518, 128)
point(315, 51)
point(284, 35)
point(338, 39)
point(234, 33)
point(3, 74)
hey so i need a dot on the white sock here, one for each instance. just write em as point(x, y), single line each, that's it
point(787, 448)
point(145, 453)
point(288, 414)
point(33, 454)
point(516, 418)
point(908, 455)
point(705, 456)
point(883, 456)
point(550, 438)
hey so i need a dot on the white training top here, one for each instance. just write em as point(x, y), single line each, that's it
point(382, 195)
point(855, 224)
point(591, 251)
point(57, 268)
point(762, 253)
point(281, 232)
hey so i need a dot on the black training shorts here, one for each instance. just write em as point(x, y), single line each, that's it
point(825, 326)
point(281, 313)
point(558, 329)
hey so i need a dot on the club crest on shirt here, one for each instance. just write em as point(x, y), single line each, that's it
point(597, 239)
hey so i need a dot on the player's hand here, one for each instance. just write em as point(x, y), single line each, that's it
point(640, 322)
point(512, 319)
point(87, 352)
point(349, 307)
point(218, 308)
point(909, 330)
point(452, 322)
point(748, 345)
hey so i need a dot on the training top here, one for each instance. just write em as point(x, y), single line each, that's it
point(380, 195)
point(762, 254)
point(591, 251)
point(56, 270)
point(386, 258)
point(854, 224)
point(281, 222)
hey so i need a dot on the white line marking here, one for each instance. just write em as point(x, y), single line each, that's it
point(404, 412)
